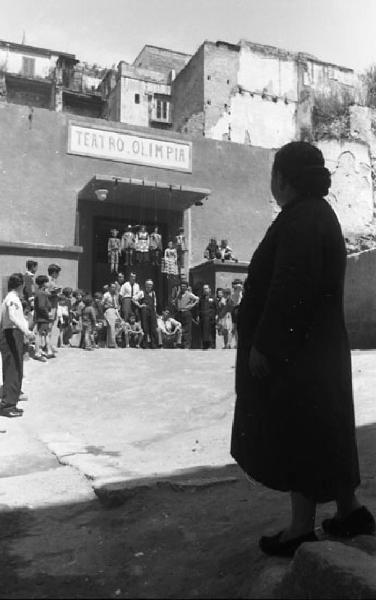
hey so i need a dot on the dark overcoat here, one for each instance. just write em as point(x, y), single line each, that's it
point(207, 310)
point(294, 429)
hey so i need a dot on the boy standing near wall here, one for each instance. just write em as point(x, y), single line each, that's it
point(12, 331)
point(29, 279)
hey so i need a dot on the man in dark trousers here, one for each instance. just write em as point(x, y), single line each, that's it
point(147, 303)
point(185, 302)
point(12, 331)
point(207, 311)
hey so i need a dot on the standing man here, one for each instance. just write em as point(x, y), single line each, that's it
point(119, 282)
point(237, 295)
point(147, 303)
point(184, 303)
point(207, 311)
point(29, 279)
point(129, 291)
point(13, 329)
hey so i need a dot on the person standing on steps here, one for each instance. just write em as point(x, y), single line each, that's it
point(293, 427)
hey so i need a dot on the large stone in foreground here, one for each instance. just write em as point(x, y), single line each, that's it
point(329, 570)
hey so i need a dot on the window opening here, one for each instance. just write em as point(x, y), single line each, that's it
point(28, 66)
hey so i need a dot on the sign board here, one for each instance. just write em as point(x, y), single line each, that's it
point(124, 146)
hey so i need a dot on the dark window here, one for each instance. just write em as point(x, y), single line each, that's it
point(208, 101)
point(28, 66)
point(159, 109)
point(137, 98)
point(209, 76)
point(228, 81)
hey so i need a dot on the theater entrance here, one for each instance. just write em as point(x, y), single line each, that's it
point(108, 203)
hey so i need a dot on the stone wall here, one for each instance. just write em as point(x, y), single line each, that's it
point(187, 92)
point(360, 299)
point(351, 194)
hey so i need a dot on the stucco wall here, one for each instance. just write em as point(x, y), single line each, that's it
point(221, 67)
point(187, 92)
point(351, 194)
point(138, 114)
point(258, 104)
point(360, 299)
point(257, 121)
point(11, 62)
point(39, 183)
point(260, 72)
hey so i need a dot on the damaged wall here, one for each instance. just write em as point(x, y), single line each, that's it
point(351, 194)
point(187, 91)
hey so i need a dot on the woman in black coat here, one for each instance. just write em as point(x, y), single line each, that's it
point(293, 426)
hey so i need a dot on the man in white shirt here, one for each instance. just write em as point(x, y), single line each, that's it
point(129, 292)
point(146, 302)
point(169, 331)
point(12, 331)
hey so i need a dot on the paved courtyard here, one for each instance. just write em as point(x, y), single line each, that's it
point(118, 416)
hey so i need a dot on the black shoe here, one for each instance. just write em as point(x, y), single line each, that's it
point(274, 547)
point(359, 522)
point(11, 412)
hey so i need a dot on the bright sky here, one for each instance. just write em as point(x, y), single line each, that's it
point(107, 31)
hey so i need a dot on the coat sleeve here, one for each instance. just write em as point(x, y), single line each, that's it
point(293, 292)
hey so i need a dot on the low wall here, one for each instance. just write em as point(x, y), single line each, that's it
point(360, 299)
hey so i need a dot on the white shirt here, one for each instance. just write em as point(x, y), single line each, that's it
point(126, 290)
point(169, 326)
point(12, 316)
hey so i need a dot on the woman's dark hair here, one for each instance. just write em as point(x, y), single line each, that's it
point(303, 166)
point(15, 281)
point(87, 300)
point(67, 291)
point(41, 280)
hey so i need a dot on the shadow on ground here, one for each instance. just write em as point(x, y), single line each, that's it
point(161, 543)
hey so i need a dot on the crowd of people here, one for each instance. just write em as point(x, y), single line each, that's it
point(38, 316)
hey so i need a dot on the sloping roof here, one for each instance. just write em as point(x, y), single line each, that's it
point(35, 49)
point(162, 60)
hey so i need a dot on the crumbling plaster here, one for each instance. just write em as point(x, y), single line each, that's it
point(261, 107)
point(351, 194)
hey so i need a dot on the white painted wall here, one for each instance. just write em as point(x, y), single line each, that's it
point(256, 121)
point(138, 114)
point(11, 62)
point(258, 72)
point(351, 194)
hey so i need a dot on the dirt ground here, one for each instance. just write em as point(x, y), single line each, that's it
point(59, 541)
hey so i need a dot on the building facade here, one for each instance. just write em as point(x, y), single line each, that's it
point(172, 140)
